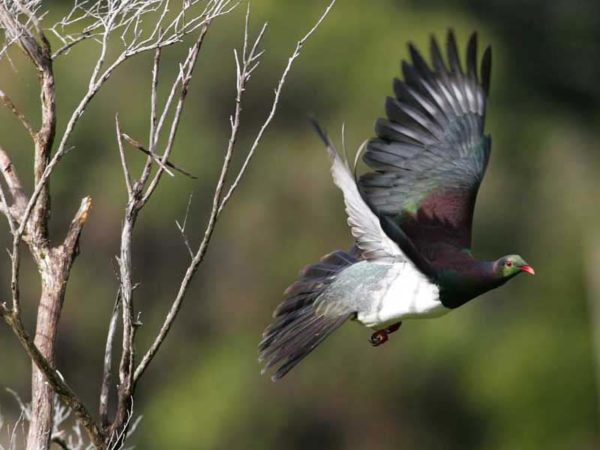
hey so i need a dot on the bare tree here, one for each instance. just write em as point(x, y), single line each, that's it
point(133, 27)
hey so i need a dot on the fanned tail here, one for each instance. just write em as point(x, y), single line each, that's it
point(299, 325)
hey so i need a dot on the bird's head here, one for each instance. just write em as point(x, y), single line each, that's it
point(511, 265)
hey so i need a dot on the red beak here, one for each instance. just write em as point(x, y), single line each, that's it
point(527, 269)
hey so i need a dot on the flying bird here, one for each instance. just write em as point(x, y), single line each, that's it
point(411, 216)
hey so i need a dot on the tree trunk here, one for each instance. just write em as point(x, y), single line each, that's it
point(42, 395)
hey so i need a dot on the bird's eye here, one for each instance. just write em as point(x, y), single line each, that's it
point(508, 263)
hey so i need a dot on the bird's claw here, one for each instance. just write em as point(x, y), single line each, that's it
point(382, 336)
point(378, 338)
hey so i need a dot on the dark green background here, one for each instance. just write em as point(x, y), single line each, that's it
point(513, 370)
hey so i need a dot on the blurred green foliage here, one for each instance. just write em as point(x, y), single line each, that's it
point(514, 370)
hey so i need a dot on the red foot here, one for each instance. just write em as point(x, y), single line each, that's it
point(382, 336)
point(378, 338)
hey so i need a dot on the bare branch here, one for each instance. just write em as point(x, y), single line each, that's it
point(43, 144)
point(12, 181)
point(165, 166)
point(135, 204)
point(5, 99)
point(153, 95)
point(126, 291)
point(125, 19)
point(267, 122)
point(106, 373)
point(168, 102)
point(39, 53)
point(187, 71)
point(5, 209)
point(15, 258)
point(243, 74)
point(69, 45)
point(72, 238)
point(181, 228)
point(123, 159)
point(115, 18)
point(13, 214)
point(118, 436)
point(240, 85)
point(23, 407)
point(19, 33)
point(135, 144)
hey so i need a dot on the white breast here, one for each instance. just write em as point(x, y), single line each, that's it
point(409, 294)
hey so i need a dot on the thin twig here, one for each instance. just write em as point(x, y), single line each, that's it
point(20, 199)
point(181, 227)
point(118, 435)
point(23, 408)
point(19, 33)
point(137, 145)
point(12, 180)
point(76, 227)
point(69, 45)
point(267, 122)
point(106, 372)
point(127, 309)
point(126, 173)
point(165, 166)
point(6, 210)
point(5, 99)
point(16, 191)
point(195, 51)
point(153, 96)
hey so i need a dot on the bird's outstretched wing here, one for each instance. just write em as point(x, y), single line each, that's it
point(430, 154)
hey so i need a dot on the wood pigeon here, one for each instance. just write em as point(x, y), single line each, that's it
point(410, 217)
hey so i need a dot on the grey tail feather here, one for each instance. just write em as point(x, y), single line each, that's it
point(297, 329)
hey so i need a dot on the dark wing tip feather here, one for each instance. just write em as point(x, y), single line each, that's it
point(436, 55)
point(472, 56)
point(486, 69)
point(419, 62)
point(452, 51)
point(411, 76)
point(320, 131)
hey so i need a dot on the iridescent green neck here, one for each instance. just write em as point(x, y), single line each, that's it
point(457, 287)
